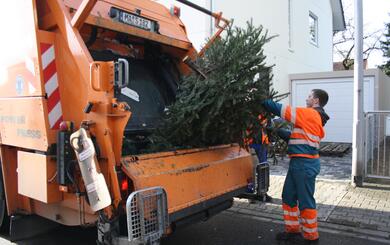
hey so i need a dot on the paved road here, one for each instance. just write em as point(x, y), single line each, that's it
point(224, 228)
point(228, 229)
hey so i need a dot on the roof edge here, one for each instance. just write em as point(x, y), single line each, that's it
point(338, 15)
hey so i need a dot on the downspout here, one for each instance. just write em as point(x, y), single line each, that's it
point(358, 120)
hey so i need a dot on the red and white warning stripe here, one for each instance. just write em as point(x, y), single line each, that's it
point(51, 85)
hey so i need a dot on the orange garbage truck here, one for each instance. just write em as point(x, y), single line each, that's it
point(78, 78)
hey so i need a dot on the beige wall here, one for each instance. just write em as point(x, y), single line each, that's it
point(339, 85)
point(381, 89)
point(384, 91)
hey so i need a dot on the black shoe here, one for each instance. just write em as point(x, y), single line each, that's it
point(303, 241)
point(287, 236)
point(265, 198)
point(312, 242)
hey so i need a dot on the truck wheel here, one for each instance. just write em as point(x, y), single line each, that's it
point(4, 218)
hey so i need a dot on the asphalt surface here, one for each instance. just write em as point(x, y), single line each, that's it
point(228, 229)
point(222, 229)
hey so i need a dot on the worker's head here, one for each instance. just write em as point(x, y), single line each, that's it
point(317, 98)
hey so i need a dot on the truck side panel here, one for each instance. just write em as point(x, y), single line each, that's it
point(22, 122)
point(9, 167)
point(30, 121)
point(36, 177)
point(19, 60)
point(30, 106)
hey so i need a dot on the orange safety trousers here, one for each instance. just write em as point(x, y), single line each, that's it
point(304, 221)
point(298, 191)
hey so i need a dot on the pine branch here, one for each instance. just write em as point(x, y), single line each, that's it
point(221, 108)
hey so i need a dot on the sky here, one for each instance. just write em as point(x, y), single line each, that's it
point(375, 15)
point(196, 33)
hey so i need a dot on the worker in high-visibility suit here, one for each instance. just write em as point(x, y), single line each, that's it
point(303, 149)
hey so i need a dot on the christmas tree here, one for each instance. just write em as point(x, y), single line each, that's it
point(224, 106)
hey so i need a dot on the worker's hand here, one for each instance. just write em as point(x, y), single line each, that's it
point(263, 120)
point(284, 134)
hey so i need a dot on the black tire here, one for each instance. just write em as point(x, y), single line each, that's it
point(4, 218)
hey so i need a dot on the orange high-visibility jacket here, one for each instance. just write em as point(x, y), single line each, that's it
point(308, 128)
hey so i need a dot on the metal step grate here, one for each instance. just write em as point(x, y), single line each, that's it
point(147, 215)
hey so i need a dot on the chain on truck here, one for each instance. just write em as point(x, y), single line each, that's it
point(80, 77)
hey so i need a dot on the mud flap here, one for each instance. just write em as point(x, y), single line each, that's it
point(26, 226)
point(262, 178)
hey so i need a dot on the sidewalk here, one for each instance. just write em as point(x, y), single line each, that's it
point(359, 210)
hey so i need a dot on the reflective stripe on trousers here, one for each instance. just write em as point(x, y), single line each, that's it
point(309, 224)
point(291, 218)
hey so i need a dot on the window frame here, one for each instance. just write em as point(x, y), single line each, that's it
point(290, 25)
point(316, 32)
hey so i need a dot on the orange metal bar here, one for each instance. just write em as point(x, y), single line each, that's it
point(47, 22)
point(82, 13)
point(111, 169)
point(84, 61)
point(218, 18)
point(75, 42)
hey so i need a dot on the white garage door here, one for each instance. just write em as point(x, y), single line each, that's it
point(340, 105)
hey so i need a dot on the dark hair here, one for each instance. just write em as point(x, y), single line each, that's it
point(321, 95)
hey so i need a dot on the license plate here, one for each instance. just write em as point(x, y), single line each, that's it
point(136, 21)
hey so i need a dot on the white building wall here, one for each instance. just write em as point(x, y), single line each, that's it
point(273, 15)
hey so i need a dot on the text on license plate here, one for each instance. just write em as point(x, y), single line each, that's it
point(136, 21)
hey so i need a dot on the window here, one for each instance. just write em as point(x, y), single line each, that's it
point(290, 24)
point(313, 28)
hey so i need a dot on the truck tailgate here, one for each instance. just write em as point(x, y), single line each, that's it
point(191, 176)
